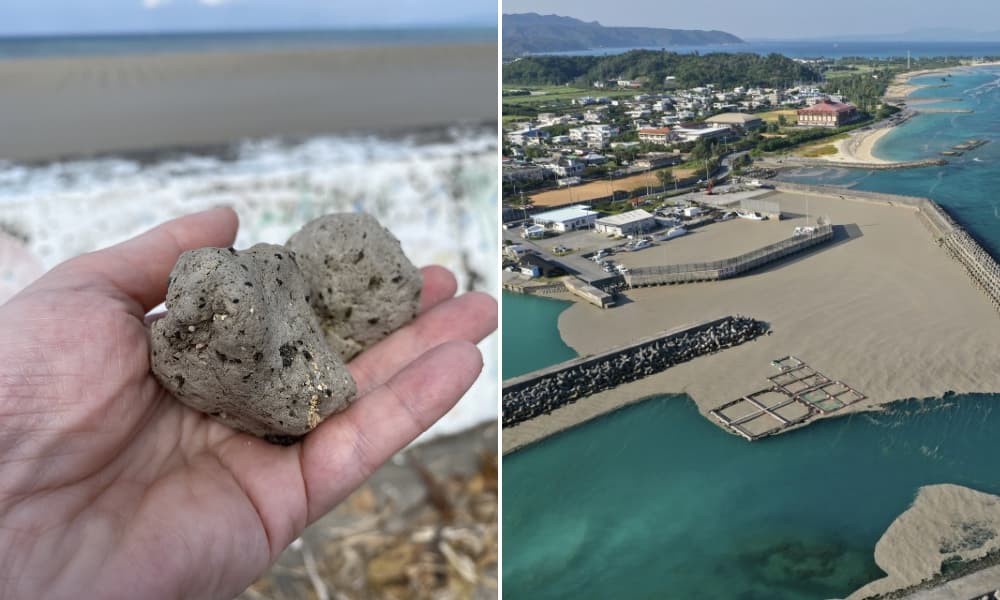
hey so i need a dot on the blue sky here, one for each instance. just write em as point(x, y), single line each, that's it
point(21, 17)
point(778, 18)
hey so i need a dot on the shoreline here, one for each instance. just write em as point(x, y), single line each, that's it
point(921, 281)
point(54, 108)
point(858, 149)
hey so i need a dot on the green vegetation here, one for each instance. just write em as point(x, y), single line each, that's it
point(690, 70)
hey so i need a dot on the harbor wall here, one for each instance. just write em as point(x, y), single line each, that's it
point(543, 391)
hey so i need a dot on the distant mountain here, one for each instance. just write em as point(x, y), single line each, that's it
point(531, 32)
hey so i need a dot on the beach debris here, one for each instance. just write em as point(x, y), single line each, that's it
point(240, 343)
point(364, 287)
point(258, 339)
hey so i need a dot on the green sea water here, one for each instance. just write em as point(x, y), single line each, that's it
point(653, 501)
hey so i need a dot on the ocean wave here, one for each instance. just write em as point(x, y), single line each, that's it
point(439, 197)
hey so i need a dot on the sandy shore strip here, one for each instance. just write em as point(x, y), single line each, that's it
point(882, 308)
point(859, 147)
point(945, 523)
point(53, 107)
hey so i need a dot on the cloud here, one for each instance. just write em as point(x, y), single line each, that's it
point(214, 2)
point(154, 3)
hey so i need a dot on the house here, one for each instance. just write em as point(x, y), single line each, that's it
point(595, 136)
point(527, 136)
point(567, 219)
point(627, 223)
point(659, 135)
point(827, 113)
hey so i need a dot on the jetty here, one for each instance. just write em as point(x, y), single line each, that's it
point(545, 390)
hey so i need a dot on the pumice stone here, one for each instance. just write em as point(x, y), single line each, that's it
point(241, 342)
point(364, 287)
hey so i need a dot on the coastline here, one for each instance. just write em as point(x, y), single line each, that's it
point(858, 149)
point(83, 106)
point(857, 298)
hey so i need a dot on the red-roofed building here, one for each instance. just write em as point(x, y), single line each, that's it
point(655, 135)
point(827, 113)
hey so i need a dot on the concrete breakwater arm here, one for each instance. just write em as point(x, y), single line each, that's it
point(541, 392)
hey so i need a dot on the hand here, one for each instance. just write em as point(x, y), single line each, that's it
point(110, 488)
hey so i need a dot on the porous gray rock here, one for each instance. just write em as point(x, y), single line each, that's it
point(364, 287)
point(240, 342)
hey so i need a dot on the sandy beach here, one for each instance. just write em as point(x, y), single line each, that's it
point(945, 522)
point(53, 107)
point(882, 308)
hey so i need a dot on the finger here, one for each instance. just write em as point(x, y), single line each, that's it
point(470, 318)
point(139, 267)
point(344, 450)
point(439, 285)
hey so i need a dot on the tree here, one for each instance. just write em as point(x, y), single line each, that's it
point(782, 121)
point(666, 177)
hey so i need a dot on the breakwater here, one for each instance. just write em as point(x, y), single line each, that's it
point(981, 267)
point(543, 391)
point(727, 267)
point(791, 162)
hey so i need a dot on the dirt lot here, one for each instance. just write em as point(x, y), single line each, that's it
point(602, 189)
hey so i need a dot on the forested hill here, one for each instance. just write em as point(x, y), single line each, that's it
point(690, 70)
point(530, 32)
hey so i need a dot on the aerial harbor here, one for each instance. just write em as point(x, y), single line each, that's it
point(724, 268)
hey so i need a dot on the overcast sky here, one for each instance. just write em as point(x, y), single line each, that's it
point(756, 19)
point(19, 17)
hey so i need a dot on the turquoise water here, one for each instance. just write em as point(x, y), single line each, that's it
point(528, 343)
point(656, 502)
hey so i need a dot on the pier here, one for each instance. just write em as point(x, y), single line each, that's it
point(728, 267)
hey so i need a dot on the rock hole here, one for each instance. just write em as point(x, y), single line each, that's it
point(374, 282)
point(361, 254)
point(306, 354)
point(373, 321)
point(180, 381)
point(287, 353)
point(280, 282)
point(248, 284)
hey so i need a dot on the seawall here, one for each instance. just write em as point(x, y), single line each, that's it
point(543, 391)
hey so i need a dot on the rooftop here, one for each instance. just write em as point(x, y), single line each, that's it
point(568, 213)
point(826, 107)
point(626, 217)
point(733, 118)
point(654, 130)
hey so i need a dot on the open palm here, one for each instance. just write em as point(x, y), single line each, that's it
point(109, 488)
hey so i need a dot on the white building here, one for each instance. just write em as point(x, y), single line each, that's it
point(596, 136)
point(567, 219)
point(628, 223)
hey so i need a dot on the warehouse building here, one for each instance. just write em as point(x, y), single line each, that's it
point(628, 223)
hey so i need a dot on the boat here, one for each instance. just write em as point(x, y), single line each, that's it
point(750, 215)
point(673, 232)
